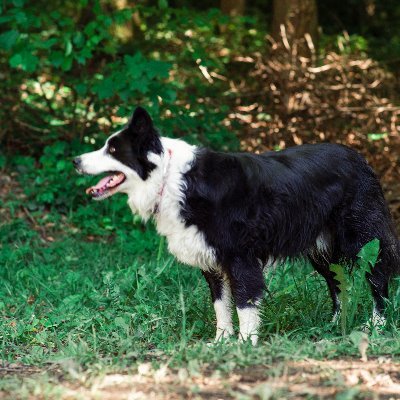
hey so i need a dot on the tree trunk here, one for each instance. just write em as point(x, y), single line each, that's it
point(298, 17)
point(233, 7)
point(127, 31)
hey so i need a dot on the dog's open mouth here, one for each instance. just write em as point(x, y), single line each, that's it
point(106, 186)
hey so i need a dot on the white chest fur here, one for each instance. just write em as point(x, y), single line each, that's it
point(186, 243)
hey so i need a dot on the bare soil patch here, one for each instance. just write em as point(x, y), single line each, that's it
point(378, 378)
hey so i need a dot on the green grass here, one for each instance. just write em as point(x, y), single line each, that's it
point(104, 302)
point(111, 303)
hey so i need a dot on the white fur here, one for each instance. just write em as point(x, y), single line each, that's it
point(223, 312)
point(378, 320)
point(323, 243)
point(322, 248)
point(187, 243)
point(249, 322)
point(335, 317)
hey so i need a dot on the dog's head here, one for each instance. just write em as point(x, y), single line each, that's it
point(124, 157)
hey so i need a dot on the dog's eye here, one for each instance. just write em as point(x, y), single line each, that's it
point(111, 149)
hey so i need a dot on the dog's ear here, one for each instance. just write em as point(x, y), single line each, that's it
point(144, 136)
point(140, 122)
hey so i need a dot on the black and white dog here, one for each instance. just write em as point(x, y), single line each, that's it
point(231, 214)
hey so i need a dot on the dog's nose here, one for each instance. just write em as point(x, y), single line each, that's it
point(77, 162)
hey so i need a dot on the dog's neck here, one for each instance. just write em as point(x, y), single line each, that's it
point(163, 182)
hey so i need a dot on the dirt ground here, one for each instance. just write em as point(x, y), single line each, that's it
point(346, 378)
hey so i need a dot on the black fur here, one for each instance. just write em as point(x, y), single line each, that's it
point(252, 207)
point(134, 142)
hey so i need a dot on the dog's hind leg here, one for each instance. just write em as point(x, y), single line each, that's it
point(247, 284)
point(222, 299)
point(322, 267)
point(321, 256)
point(365, 219)
point(386, 266)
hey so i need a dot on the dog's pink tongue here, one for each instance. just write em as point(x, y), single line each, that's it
point(99, 185)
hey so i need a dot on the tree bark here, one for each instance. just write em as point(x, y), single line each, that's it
point(298, 17)
point(233, 7)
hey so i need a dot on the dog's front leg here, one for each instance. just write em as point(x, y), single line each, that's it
point(222, 300)
point(247, 284)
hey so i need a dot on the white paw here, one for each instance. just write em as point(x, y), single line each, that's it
point(378, 320)
point(245, 337)
point(223, 334)
point(336, 317)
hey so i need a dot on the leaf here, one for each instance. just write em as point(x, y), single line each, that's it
point(81, 89)
point(21, 17)
point(56, 58)
point(61, 164)
point(68, 48)
point(139, 85)
point(344, 287)
point(157, 69)
point(8, 39)
point(24, 60)
point(121, 323)
point(377, 136)
point(104, 88)
point(78, 39)
point(135, 66)
point(18, 3)
point(340, 276)
point(67, 64)
point(370, 252)
point(168, 95)
point(163, 4)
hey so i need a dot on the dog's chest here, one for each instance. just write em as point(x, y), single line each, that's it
point(186, 243)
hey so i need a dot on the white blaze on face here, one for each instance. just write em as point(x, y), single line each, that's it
point(101, 161)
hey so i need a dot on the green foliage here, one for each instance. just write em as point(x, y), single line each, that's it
point(353, 285)
point(54, 192)
point(77, 74)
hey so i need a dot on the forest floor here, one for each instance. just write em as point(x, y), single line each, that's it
point(326, 379)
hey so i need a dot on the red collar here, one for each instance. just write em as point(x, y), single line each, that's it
point(164, 181)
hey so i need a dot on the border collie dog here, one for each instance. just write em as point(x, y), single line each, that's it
point(231, 214)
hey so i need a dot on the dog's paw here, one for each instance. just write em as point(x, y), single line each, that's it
point(223, 335)
point(253, 338)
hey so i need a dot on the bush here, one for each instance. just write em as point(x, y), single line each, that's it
point(80, 71)
point(337, 95)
